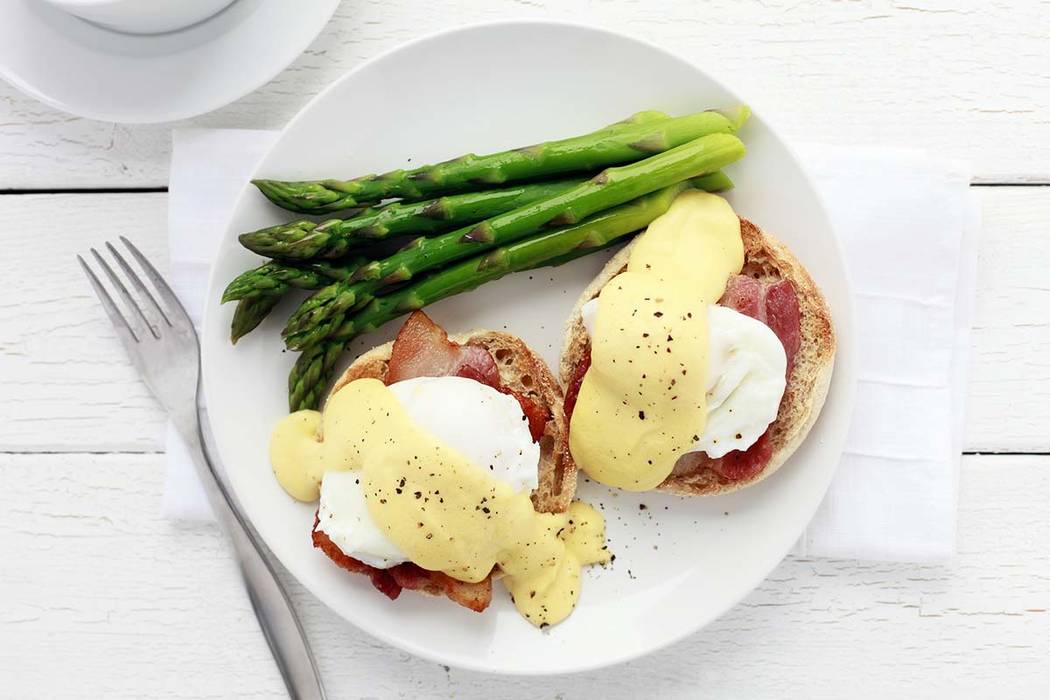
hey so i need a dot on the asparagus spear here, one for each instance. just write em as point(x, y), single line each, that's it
point(304, 239)
point(646, 116)
point(250, 313)
point(309, 376)
point(322, 313)
point(610, 146)
point(278, 277)
point(260, 289)
point(715, 182)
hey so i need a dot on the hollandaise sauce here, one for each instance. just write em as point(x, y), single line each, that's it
point(642, 402)
point(443, 511)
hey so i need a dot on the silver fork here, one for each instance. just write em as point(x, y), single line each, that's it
point(162, 344)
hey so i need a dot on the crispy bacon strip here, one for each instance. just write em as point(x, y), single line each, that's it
point(390, 582)
point(422, 349)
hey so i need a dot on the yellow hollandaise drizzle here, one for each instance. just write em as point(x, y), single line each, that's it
point(642, 402)
point(444, 512)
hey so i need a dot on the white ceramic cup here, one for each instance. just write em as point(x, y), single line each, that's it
point(142, 16)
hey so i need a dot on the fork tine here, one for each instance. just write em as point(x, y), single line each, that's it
point(123, 328)
point(166, 295)
point(129, 300)
point(136, 281)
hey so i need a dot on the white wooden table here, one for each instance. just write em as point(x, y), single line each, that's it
point(101, 597)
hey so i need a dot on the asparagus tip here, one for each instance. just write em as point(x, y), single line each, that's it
point(739, 117)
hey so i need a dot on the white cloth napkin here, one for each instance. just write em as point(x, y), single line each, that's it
point(909, 226)
point(895, 211)
point(208, 170)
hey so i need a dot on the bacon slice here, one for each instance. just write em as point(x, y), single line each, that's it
point(572, 392)
point(390, 582)
point(784, 318)
point(733, 466)
point(422, 349)
point(746, 295)
point(536, 414)
point(475, 596)
point(774, 304)
point(381, 578)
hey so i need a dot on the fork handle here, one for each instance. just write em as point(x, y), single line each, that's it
point(277, 618)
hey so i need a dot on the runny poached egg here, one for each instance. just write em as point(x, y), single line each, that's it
point(486, 426)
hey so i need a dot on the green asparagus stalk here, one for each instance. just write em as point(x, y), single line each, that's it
point(560, 260)
point(610, 146)
point(250, 312)
point(650, 116)
point(715, 182)
point(335, 238)
point(260, 289)
point(647, 116)
point(277, 277)
point(321, 314)
point(305, 239)
point(310, 375)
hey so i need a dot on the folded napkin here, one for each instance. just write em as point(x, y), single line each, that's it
point(908, 225)
point(893, 497)
point(208, 170)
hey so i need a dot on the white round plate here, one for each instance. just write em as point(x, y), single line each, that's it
point(680, 563)
point(94, 72)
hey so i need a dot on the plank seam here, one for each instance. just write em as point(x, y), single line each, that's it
point(985, 452)
point(86, 190)
point(73, 453)
point(977, 182)
point(162, 190)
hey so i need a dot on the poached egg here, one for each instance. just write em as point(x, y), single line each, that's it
point(486, 426)
point(746, 378)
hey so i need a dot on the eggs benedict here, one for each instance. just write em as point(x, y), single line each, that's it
point(440, 465)
point(699, 358)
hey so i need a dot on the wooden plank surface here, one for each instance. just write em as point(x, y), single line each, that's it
point(69, 387)
point(101, 597)
point(967, 79)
